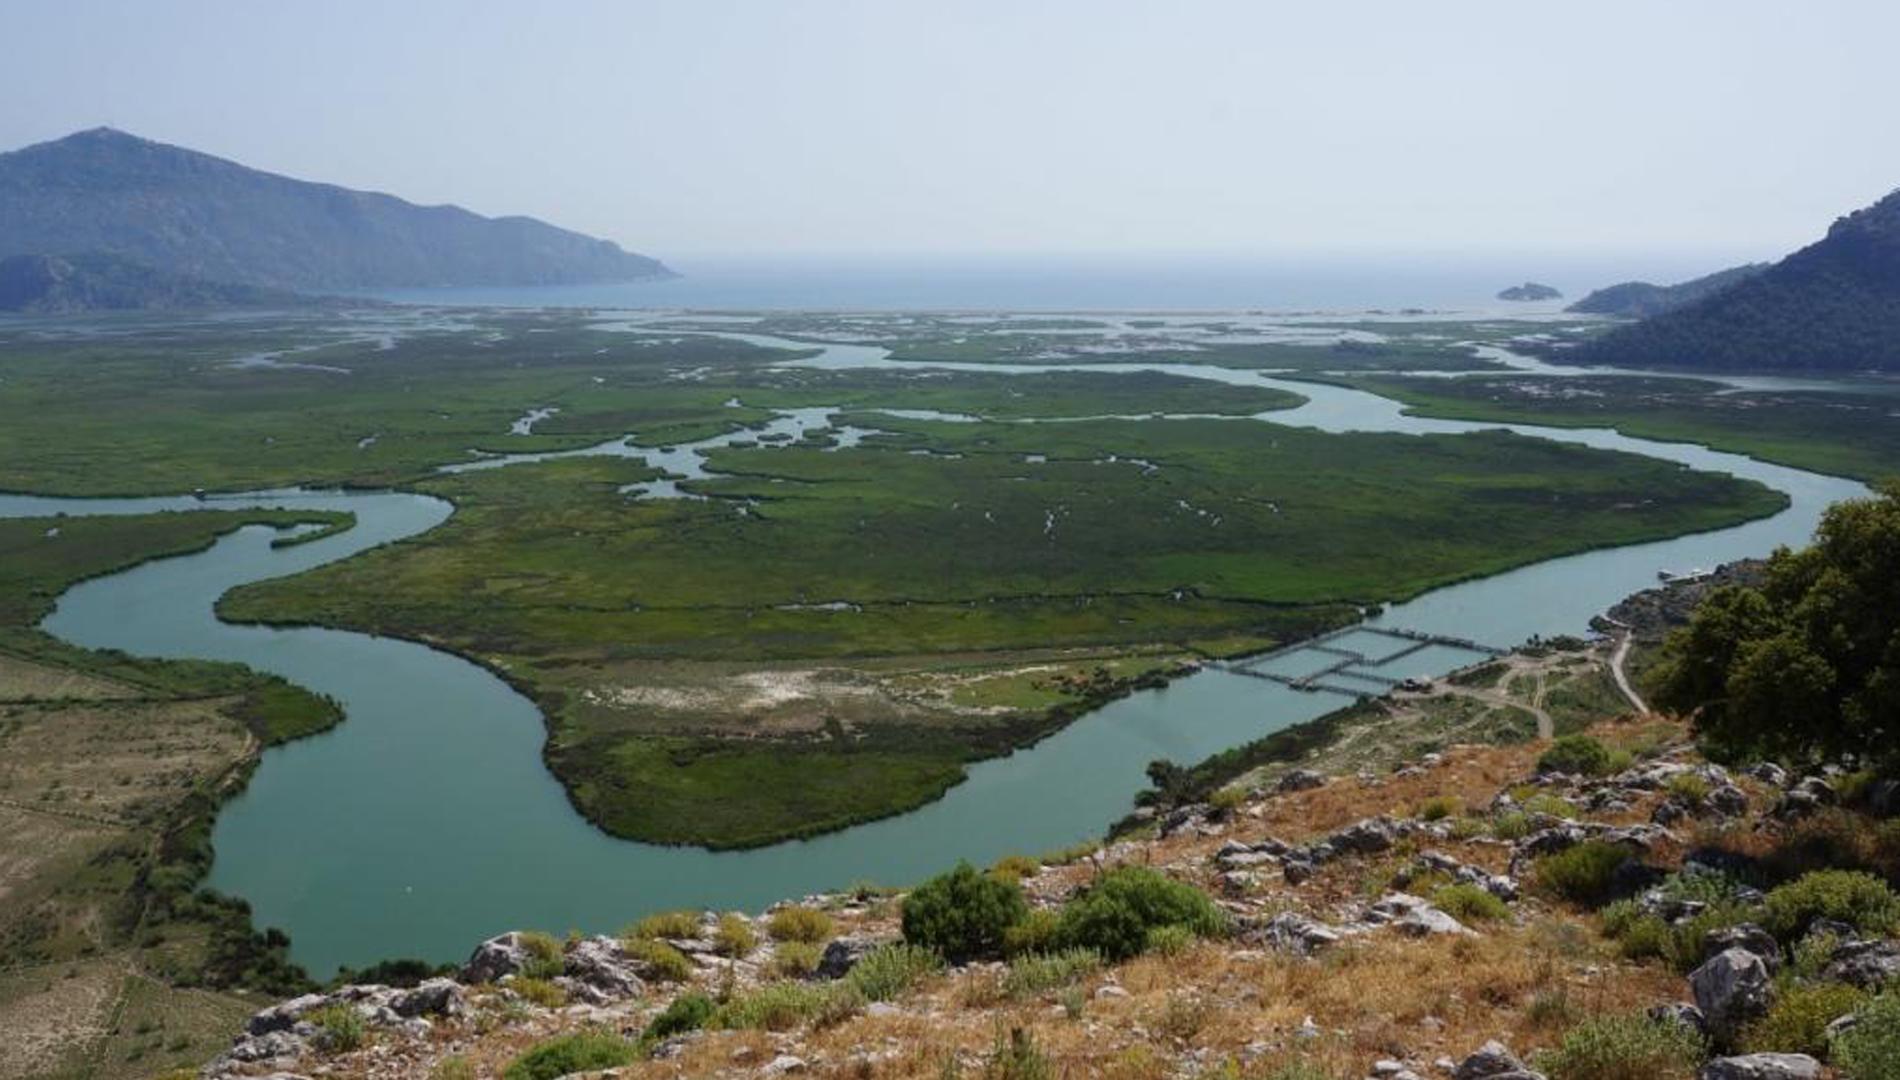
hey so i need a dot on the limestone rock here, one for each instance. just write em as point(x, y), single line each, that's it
point(1300, 780)
point(1869, 965)
point(1762, 1067)
point(1732, 988)
point(843, 954)
point(498, 956)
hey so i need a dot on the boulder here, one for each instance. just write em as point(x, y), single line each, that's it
point(1869, 965)
point(284, 1015)
point(1731, 989)
point(1300, 780)
point(1747, 937)
point(431, 997)
point(1762, 1067)
point(494, 958)
point(1411, 915)
point(1682, 1015)
point(600, 969)
point(1728, 800)
point(843, 954)
point(1492, 1061)
point(1297, 871)
point(1296, 933)
point(1368, 837)
point(1768, 773)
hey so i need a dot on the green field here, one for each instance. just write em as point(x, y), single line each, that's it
point(1852, 434)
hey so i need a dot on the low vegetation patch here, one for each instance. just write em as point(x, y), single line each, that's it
point(1114, 916)
point(1871, 1049)
point(963, 914)
point(804, 924)
point(574, 1053)
point(1631, 1047)
point(1585, 874)
point(1858, 899)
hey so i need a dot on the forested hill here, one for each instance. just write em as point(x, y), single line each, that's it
point(1640, 299)
point(189, 213)
point(1832, 306)
point(60, 284)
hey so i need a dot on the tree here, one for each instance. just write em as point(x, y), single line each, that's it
point(1806, 667)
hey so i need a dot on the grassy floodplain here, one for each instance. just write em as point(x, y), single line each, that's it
point(1852, 433)
point(821, 634)
point(111, 769)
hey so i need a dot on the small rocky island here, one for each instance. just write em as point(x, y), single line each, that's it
point(1530, 290)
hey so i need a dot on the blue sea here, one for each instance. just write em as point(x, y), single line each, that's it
point(1097, 283)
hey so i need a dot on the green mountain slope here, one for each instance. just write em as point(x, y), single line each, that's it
point(1640, 299)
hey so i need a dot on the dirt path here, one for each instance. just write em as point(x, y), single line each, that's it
point(1622, 678)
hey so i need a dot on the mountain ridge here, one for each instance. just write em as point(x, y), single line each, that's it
point(1831, 306)
point(187, 212)
point(95, 281)
point(1641, 299)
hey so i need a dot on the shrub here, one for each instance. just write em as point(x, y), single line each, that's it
point(1227, 800)
point(1036, 933)
point(1440, 807)
point(1583, 874)
point(545, 959)
point(1623, 1048)
point(890, 970)
point(339, 1028)
point(804, 924)
point(734, 936)
point(1113, 916)
point(538, 991)
point(688, 1012)
point(1578, 754)
point(663, 961)
point(1470, 903)
point(795, 959)
point(1014, 868)
point(1797, 1024)
point(781, 1006)
point(1871, 1049)
point(1017, 1058)
point(1861, 900)
point(667, 924)
point(1039, 973)
point(1511, 825)
point(1170, 940)
point(450, 1068)
point(962, 914)
point(1555, 806)
point(574, 1053)
point(1688, 787)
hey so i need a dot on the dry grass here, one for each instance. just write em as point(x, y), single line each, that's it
point(113, 760)
point(53, 1015)
point(25, 680)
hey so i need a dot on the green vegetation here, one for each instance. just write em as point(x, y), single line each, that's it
point(687, 1012)
point(781, 1006)
point(1860, 900)
point(1845, 432)
point(1871, 1049)
point(889, 970)
point(1797, 1022)
point(1034, 974)
point(1470, 903)
point(574, 1053)
point(340, 1028)
point(1584, 874)
point(734, 936)
point(1114, 915)
point(1624, 1048)
point(963, 914)
point(1583, 755)
point(668, 924)
point(794, 923)
point(1804, 668)
point(663, 962)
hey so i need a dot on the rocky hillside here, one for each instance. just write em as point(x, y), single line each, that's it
point(187, 213)
point(1605, 907)
point(1832, 306)
point(58, 284)
point(1640, 299)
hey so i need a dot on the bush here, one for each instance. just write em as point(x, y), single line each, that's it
point(663, 961)
point(450, 1068)
point(1578, 754)
point(1871, 1050)
point(1511, 825)
point(795, 959)
point(538, 991)
point(1014, 868)
point(1039, 973)
point(890, 970)
point(574, 1053)
point(1440, 807)
point(1797, 1024)
point(667, 924)
point(545, 959)
point(1861, 900)
point(962, 914)
point(1470, 903)
point(1553, 805)
point(1584, 874)
point(734, 936)
point(688, 1012)
point(1114, 915)
point(1624, 1048)
point(1688, 787)
point(1017, 1058)
point(339, 1028)
point(804, 924)
point(1036, 933)
point(781, 1006)
point(1170, 940)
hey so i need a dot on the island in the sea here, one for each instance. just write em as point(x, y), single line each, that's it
point(1530, 290)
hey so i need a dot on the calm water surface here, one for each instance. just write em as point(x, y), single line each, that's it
point(427, 821)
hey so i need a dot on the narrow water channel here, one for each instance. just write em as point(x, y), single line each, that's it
point(427, 821)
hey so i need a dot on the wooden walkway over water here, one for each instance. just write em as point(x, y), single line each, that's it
point(1316, 681)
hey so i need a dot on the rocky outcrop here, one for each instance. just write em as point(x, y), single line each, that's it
point(1762, 1067)
point(1493, 1061)
point(1731, 989)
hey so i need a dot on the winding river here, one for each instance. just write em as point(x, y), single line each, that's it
point(427, 821)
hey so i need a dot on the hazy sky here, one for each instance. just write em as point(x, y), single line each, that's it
point(1248, 128)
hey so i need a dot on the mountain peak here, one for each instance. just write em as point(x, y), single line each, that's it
point(186, 212)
